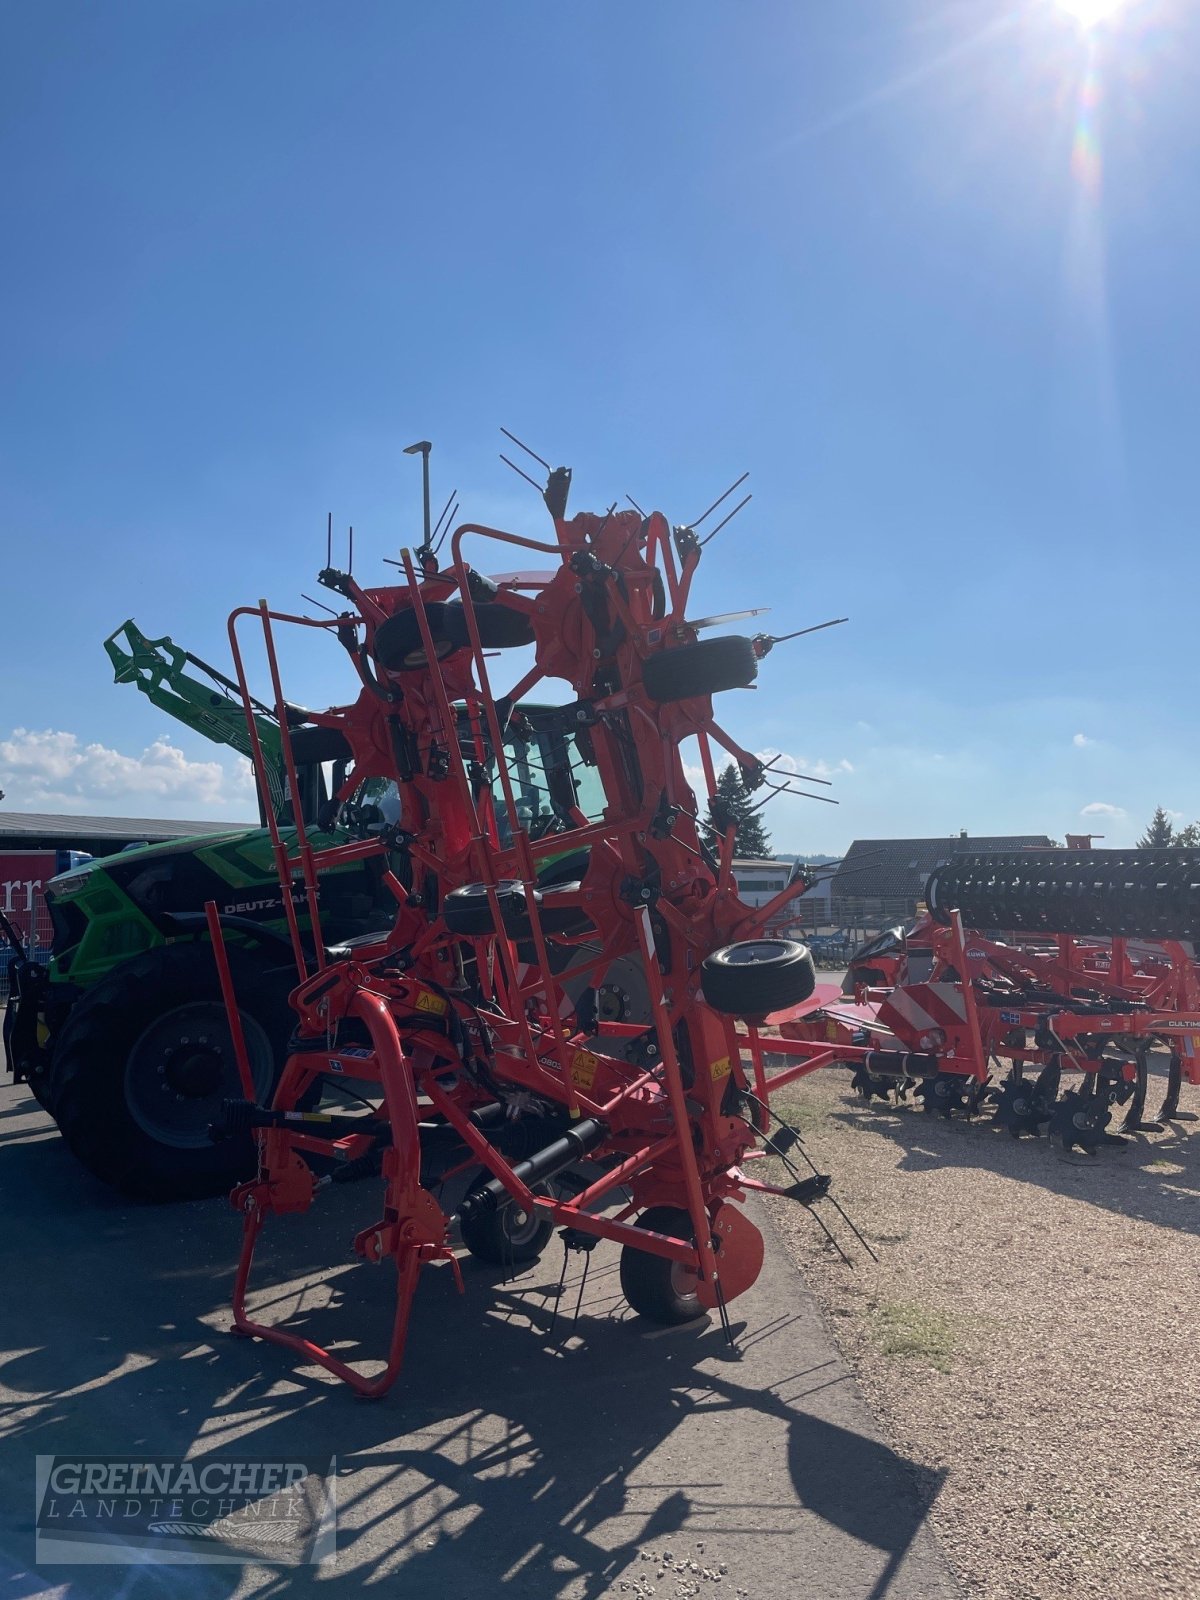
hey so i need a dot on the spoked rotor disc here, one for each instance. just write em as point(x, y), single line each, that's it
point(1024, 1105)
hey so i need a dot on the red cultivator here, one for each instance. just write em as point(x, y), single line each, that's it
point(494, 1016)
point(1095, 998)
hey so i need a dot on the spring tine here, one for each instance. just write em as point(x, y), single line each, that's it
point(519, 472)
point(587, 1261)
point(562, 1278)
point(717, 501)
point(729, 518)
point(527, 450)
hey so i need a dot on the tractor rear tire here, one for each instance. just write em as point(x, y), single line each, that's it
point(758, 976)
point(658, 1289)
point(703, 668)
point(145, 1059)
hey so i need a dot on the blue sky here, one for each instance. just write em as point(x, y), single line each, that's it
point(927, 271)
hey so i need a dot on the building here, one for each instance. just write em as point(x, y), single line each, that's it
point(98, 836)
point(760, 881)
point(880, 881)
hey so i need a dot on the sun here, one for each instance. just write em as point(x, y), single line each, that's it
point(1088, 13)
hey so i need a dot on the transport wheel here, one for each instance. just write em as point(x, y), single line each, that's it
point(657, 1289)
point(758, 976)
point(467, 910)
point(145, 1059)
point(700, 669)
point(509, 1237)
point(399, 646)
point(500, 627)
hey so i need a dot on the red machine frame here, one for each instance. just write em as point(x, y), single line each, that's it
point(459, 1007)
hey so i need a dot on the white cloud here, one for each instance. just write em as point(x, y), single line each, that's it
point(53, 769)
point(1101, 808)
point(1081, 741)
point(798, 766)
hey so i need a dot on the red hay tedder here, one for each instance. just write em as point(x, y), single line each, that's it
point(1105, 971)
point(491, 1015)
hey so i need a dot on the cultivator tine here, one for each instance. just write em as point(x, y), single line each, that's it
point(1134, 1121)
point(1170, 1111)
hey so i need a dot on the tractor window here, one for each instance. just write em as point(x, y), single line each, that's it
point(549, 779)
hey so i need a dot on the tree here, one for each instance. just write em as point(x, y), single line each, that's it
point(1161, 831)
point(732, 803)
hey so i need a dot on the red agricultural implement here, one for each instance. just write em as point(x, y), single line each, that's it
point(490, 1014)
point(1104, 974)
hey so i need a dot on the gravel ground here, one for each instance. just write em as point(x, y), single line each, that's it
point(1027, 1331)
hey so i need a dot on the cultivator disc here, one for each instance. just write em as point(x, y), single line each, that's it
point(871, 1086)
point(1082, 1116)
point(1025, 1107)
point(948, 1092)
point(1150, 894)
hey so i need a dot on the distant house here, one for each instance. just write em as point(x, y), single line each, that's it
point(880, 881)
point(760, 881)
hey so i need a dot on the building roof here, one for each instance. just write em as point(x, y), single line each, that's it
point(897, 869)
point(33, 829)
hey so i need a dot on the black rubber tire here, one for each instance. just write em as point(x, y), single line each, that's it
point(703, 668)
point(758, 976)
point(500, 626)
point(96, 1060)
point(652, 1284)
point(319, 744)
point(398, 644)
point(499, 1239)
point(468, 912)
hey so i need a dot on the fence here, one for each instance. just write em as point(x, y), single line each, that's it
point(36, 934)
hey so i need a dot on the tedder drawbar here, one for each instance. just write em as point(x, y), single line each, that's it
point(485, 1008)
point(1104, 972)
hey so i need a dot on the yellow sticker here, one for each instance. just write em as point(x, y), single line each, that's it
point(583, 1068)
point(831, 1032)
point(431, 1002)
point(720, 1069)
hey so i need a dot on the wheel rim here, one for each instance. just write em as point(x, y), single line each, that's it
point(685, 1284)
point(183, 1066)
point(520, 1227)
point(753, 953)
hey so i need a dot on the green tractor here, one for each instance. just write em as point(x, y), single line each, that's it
point(122, 1036)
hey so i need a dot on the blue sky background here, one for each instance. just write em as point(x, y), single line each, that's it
point(928, 271)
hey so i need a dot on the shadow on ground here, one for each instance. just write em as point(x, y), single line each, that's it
point(513, 1458)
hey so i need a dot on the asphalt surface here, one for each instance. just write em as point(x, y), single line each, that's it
point(600, 1457)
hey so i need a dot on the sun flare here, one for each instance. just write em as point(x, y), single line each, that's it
point(1088, 13)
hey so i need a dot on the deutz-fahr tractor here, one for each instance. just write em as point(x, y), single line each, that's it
point(122, 1036)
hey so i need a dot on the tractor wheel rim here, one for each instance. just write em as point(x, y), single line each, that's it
point(182, 1067)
